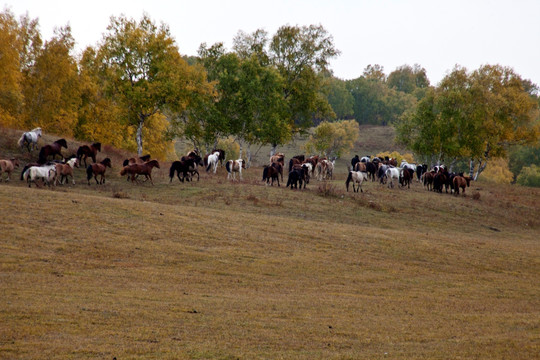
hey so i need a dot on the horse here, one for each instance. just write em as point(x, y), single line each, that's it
point(427, 179)
point(391, 174)
point(212, 162)
point(233, 167)
point(88, 151)
point(420, 170)
point(221, 157)
point(52, 149)
point(354, 160)
point(185, 166)
point(371, 169)
point(271, 172)
point(7, 166)
point(357, 177)
point(47, 173)
point(140, 169)
point(381, 172)
point(461, 182)
point(297, 176)
point(360, 166)
point(66, 170)
point(197, 160)
point(440, 180)
point(365, 159)
point(30, 138)
point(137, 160)
point(98, 169)
point(406, 177)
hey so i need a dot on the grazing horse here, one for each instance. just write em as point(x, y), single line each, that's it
point(66, 170)
point(271, 172)
point(233, 167)
point(30, 138)
point(88, 151)
point(461, 182)
point(140, 169)
point(7, 166)
point(184, 166)
point(52, 149)
point(357, 177)
point(98, 169)
point(392, 174)
point(212, 162)
point(47, 173)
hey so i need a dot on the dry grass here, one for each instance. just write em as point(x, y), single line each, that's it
point(221, 270)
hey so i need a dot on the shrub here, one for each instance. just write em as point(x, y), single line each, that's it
point(529, 176)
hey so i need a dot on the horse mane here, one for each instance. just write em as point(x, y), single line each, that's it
point(97, 145)
point(106, 162)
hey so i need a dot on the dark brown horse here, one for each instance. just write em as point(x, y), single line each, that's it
point(52, 149)
point(271, 172)
point(461, 182)
point(98, 169)
point(140, 169)
point(137, 160)
point(187, 166)
point(86, 151)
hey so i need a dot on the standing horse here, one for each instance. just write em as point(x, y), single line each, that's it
point(233, 167)
point(461, 182)
point(7, 166)
point(88, 151)
point(140, 169)
point(98, 169)
point(184, 166)
point(52, 149)
point(221, 157)
point(392, 174)
point(30, 138)
point(406, 177)
point(66, 170)
point(197, 161)
point(357, 177)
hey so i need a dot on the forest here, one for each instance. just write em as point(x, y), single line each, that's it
point(135, 91)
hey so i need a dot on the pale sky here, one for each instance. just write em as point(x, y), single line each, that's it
point(434, 34)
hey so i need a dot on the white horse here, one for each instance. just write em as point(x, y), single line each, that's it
point(357, 177)
point(391, 174)
point(213, 161)
point(46, 172)
point(30, 138)
point(405, 165)
point(233, 167)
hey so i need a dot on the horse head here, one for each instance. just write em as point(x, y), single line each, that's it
point(107, 162)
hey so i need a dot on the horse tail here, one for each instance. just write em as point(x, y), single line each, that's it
point(21, 140)
point(24, 174)
point(208, 167)
point(228, 166)
point(172, 169)
point(89, 172)
point(349, 179)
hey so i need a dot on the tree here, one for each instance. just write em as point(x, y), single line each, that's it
point(10, 75)
point(333, 138)
point(339, 98)
point(475, 116)
point(142, 71)
point(410, 80)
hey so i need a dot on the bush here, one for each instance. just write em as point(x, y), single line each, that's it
point(529, 176)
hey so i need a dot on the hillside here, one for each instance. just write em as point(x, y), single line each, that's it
point(221, 270)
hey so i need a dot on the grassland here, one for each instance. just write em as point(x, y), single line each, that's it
point(221, 270)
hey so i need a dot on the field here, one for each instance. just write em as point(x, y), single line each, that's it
point(221, 270)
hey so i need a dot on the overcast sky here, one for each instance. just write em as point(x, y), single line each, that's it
point(434, 34)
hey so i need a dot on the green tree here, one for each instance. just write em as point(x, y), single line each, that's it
point(10, 75)
point(523, 156)
point(529, 176)
point(142, 70)
point(333, 138)
point(339, 98)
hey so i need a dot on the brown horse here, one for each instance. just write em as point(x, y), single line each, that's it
point(52, 149)
point(88, 151)
point(7, 166)
point(271, 172)
point(66, 170)
point(98, 169)
point(140, 169)
point(461, 182)
point(137, 160)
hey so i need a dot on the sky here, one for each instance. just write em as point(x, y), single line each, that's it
point(437, 35)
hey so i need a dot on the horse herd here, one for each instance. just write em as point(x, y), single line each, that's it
point(301, 169)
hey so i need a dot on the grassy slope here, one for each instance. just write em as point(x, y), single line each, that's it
point(220, 270)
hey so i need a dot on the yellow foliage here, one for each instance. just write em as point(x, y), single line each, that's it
point(399, 157)
point(497, 171)
point(231, 147)
point(333, 138)
point(154, 141)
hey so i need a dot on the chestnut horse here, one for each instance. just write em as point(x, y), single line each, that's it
point(88, 151)
point(66, 170)
point(98, 169)
point(461, 182)
point(7, 166)
point(52, 149)
point(140, 169)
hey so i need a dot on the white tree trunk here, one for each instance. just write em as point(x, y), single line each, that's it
point(248, 156)
point(273, 150)
point(139, 136)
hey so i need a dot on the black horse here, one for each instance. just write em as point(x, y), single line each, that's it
point(52, 149)
point(297, 176)
point(271, 172)
point(185, 167)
